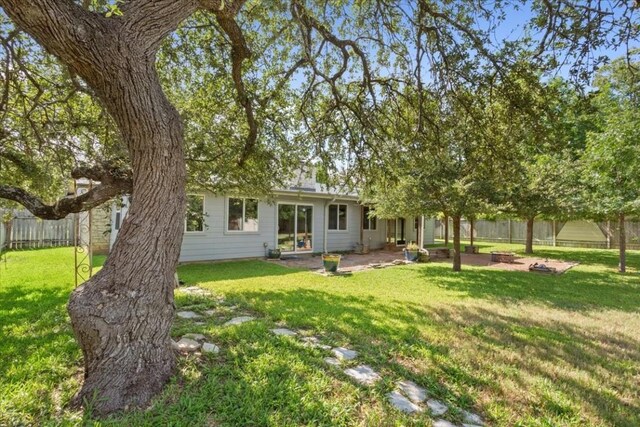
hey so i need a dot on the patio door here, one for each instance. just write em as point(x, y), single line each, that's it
point(401, 232)
point(295, 228)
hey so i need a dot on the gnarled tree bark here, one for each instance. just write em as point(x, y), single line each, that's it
point(622, 266)
point(122, 316)
point(528, 248)
point(457, 261)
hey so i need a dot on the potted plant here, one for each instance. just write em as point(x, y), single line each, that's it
point(274, 254)
point(411, 252)
point(331, 262)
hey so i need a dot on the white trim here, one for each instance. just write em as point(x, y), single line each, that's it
point(315, 195)
point(204, 212)
point(295, 227)
point(346, 218)
point(244, 209)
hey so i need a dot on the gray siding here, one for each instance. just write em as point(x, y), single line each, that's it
point(215, 242)
point(377, 238)
point(346, 240)
point(429, 231)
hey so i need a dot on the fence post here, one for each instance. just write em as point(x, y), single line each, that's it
point(510, 240)
point(553, 231)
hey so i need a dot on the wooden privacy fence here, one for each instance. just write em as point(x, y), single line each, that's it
point(24, 231)
point(583, 234)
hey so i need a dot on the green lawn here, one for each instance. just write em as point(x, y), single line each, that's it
point(519, 348)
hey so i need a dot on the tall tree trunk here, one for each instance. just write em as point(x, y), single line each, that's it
point(446, 230)
point(528, 248)
point(122, 316)
point(456, 243)
point(622, 267)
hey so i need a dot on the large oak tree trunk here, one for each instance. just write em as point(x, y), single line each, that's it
point(122, 316)
point(528, 248)
point(622, 267)
point(457, 263)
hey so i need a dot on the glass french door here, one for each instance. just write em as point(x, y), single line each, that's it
point(295, 228)
point(400, 232)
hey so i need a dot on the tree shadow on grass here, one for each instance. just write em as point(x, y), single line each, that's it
point(210, 272)
point(384, 334)
point(573, 290)
point(589, 365)
point(384, 331)
point(607, 258)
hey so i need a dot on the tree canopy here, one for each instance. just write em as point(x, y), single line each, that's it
point(149, 96)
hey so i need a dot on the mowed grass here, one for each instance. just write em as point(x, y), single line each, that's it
point(521, 349)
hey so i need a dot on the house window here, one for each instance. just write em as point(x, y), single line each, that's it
point(369, 222)
point(194, 220)
point(242, 215)
point(338, 217)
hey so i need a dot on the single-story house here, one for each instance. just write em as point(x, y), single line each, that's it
point(304, 218)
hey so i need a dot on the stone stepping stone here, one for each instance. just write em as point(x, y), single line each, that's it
point(472, 425)
point(471, 419)
point(195, 290)
point(344, 353)
point(403, 404)
point(284, 332)
point(331, 361)
point(210, 348)
point(239, 320)
point(413, 391)
point(188, 315)
point(315, 342)
point(187, 345)
point(197, 337)
point(209, 312)
point(437, 407)
point(443, 423)
point(363, 374)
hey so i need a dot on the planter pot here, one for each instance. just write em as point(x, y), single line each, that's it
point(331, 262)
point(274, 254)
point(411, 255)
point(423, 256)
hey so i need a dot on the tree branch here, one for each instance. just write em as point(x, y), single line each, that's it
point(63, 207)
point(63, 27)
point(152, 21)
point(225, 16)
point(113, 182)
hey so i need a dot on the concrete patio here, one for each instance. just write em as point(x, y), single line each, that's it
point(349, 262)
point(386, 258)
